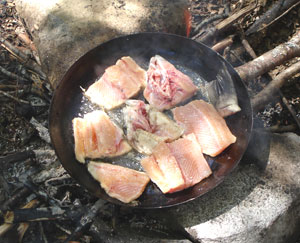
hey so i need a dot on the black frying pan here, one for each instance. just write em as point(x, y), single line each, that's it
point(193, 58)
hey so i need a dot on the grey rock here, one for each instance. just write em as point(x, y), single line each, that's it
point(258, 203)
point(64, 30)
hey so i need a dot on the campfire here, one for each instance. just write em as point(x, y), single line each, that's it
point(40, 201)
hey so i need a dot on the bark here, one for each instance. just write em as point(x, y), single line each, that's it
point(270, 59)
point(268, 17)
point(266, 95)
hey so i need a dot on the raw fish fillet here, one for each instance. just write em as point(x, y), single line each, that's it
point(190, 159)
point(118, 83)
point(96, 136)
point(176, 166)
point(166, 85)
point(119, 182)
point(146, 126)
point(207, 124)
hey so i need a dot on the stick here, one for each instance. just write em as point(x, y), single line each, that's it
point(262, 98)
point(5, 227)
point(44, 214)
point(13, 200)
point(223, 44)
point(14, 98)
point(18, 156)
point(290, 108)
point(209, 20)
point(25, 59)
point(270, 16)
point(284, 13)
point(43, 131)
point(86, 220)
point(281, 129)
point(270, 59)
point(11, 75)
point(223, 25)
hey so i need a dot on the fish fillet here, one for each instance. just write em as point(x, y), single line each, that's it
point(118, 83)
point(146, 126)
point(166, 85)
point(207, 124)
point(119, 182)
point(176, 166)
point(96, 136)
point(190, 159)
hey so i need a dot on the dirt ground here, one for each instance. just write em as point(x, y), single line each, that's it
point(22, 96)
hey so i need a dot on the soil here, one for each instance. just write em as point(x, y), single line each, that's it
point(17, 133)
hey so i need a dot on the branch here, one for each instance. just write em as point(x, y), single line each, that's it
point(270, 16)
point(270, 59)
point(264, 97)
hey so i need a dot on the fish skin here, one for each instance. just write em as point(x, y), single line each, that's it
point(118, 83)
point(119, 182)
point(96, 136)
point(146, 126)
point(209, 127)
point(222, 94)
point(166, 85)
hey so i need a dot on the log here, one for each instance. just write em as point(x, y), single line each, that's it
point(270, 59)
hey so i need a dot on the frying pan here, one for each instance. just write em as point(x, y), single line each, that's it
point(193, 58)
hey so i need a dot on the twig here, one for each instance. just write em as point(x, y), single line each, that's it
point(10, 74)
point(13, 50)
point(5, 227)
point(42, 232)
point(281, 129)
point(86, 220)
point(13, 200)
point(14, 98)
point(18, 156)
point(291, 110)
point(284, 13)
point(262, 98)
point(210, 20)
point(223, 25)
point(223, 44)
point(248, 48)
point(270, 16)
point(43, 131)
point(22, 57)
point(44, 214)
point(270, 59)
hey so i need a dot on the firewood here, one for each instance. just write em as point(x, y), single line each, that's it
point(44, 214)
point(272, 14)
point(223, 44)
point(266, 95)
point(270, 59)
point(86, 220)
point(223, 25)
point(7, 226)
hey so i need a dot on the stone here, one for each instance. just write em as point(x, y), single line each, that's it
point(64, 30)
point(258, 203)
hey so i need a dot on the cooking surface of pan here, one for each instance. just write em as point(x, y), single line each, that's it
point(194, 59)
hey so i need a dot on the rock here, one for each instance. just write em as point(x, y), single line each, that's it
point(258, 202)
point(64, 30)
point(253, 205)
